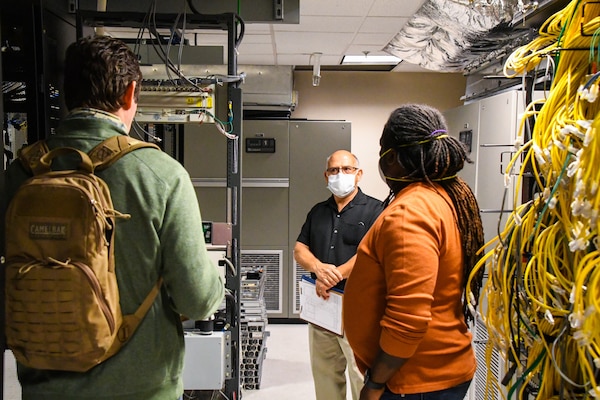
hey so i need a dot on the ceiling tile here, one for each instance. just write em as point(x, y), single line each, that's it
point(390, 25)
point(255, 59)
point(372, 38)
point(258, 28)
point(335, 7)
point(298, 59)
point(331, 27)
point(257, 38)
point(256, 48)
point(395, 8)
point(309, 42)
point(322, 24)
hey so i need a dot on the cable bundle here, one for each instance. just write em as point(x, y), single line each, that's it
point(175, 77)
point(543, 290)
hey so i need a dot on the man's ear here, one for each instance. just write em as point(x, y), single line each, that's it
point(359, 174)
point(129, 96)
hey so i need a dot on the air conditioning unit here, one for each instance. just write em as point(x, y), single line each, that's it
point(271, 261)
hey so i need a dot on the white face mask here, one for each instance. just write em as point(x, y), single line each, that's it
point(341, 185)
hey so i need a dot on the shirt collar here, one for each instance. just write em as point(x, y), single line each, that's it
point(94, 113)
point(359, 198)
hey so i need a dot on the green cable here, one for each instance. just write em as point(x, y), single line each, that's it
point(552, 193)
point(562, 31)
point(595, 38)
point(521, 379)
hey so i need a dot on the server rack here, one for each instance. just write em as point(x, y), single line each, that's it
point(36, 35)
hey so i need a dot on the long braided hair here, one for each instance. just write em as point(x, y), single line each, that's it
point(417, 133)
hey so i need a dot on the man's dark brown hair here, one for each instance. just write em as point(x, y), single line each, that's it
point(98, 70)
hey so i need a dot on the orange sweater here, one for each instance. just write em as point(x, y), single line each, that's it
point(404, 294)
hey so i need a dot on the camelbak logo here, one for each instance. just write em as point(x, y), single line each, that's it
point(48, 231)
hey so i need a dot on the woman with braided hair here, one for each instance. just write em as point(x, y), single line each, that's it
point(405, 311)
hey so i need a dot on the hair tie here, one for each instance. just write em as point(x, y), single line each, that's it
point(428, 139)
point(411, 180)
point(444, 179)
point(437, 131)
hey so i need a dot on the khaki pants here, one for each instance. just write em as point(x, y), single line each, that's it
point(330, 354)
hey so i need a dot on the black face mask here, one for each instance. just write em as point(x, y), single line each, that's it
point(396, 184)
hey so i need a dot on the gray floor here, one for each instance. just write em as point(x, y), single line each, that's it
point(285, 374)
point(286, 369)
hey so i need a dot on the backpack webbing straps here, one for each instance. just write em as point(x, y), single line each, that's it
point(132, 321)
point(30, 155)
point(103, 155)
point(44, 164)
point(113, 148)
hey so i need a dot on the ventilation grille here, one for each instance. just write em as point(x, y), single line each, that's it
point(298, 272)
point(496, 367)
point(271, 262)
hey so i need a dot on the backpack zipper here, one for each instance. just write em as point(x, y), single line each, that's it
point(87, 271)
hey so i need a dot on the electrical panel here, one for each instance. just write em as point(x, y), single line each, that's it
point(260, 145)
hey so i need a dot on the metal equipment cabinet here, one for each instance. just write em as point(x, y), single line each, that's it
point(279, 186)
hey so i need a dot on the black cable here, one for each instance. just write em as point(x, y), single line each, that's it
point(242, 30)
point(140, 35)
point(191, 5)
point(239, 19)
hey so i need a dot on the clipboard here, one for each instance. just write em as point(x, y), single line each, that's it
point(314, 309)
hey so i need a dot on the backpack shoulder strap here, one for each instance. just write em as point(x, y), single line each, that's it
point(113, 148)
point(30, 155)
point(132, 321)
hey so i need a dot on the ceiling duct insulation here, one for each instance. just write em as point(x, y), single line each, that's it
point(458, 35)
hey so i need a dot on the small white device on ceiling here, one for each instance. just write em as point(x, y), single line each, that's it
point(315, 60)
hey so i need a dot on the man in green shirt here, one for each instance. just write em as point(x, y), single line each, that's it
point(163, 237)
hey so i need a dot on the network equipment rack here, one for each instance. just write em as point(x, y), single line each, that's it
point(172, 101)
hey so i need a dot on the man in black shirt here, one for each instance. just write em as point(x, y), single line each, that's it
point(326, 247)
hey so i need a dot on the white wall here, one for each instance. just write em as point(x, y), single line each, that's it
point(366, 99)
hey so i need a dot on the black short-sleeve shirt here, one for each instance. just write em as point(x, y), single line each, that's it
point(333, 236)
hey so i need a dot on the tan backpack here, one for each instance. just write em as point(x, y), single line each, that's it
point(62, 298)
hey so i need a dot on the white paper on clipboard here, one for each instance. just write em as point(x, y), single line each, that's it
point(314, 309)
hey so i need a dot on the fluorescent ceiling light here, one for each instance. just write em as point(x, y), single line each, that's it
point(370, 60)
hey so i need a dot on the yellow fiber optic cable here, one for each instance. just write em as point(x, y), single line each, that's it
point(543, 287)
